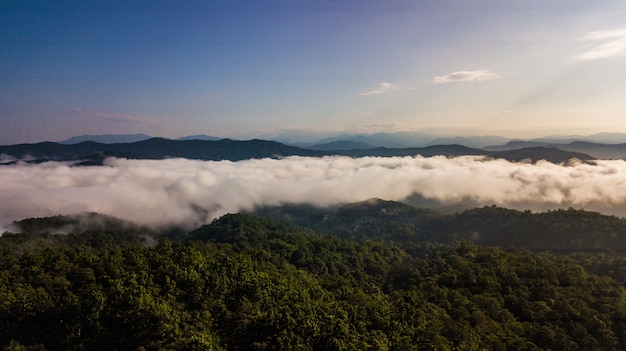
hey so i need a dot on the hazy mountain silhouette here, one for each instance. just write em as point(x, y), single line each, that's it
point(342, 145)
point(107, 138)
point(199, 137)
point(596, 150)
point(518, 144)
point(604, 151)
point(471, 141)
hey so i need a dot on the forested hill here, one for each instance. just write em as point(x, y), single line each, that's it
point(251, 283)
point(92, 153)
point(564, 230)
point(557, 231)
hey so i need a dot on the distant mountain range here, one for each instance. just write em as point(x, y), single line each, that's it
point(596, 150)
point(127, 138)
point(93, 153)
point(343, 145)
point(414, 139)
point(107, 138)
point(387, 140)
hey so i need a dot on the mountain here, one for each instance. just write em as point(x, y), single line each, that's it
point(435, 150)
point(342, 145)
point(551, 154)
point(414, 139)
point(608, 138)
point(471, 141)
point(155, 148)
point(602, 151)
point(92, 153)
point(107, 138)
point(551, 140)
point(602, 138)
point(595, 150)
point(199, 137)
point(389, 140)
point(518, 144)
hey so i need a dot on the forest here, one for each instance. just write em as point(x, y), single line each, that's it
point(376, 275)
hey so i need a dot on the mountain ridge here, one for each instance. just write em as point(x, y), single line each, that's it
point(93, 153)
point(107, 138)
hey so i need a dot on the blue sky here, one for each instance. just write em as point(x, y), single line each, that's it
point(235, 69)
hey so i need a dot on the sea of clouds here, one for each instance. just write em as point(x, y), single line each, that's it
point(190, 192)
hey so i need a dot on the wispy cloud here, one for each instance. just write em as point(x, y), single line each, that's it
point(603, 44)
point(382, 88)
point(466, 76)
point(116, 117)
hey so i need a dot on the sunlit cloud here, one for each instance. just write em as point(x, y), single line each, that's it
point(382, 88)
point(466, 76)
point(604, 44)
point(191, 192)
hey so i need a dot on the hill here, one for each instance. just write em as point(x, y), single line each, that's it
point(250, 283)
point(92, 153)
point(556, 231)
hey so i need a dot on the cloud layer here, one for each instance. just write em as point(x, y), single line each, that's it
point(466, 76)
point(179, 191)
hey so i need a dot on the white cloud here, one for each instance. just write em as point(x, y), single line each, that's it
point(604, 44)
point(382, 88)
point(194, 192)
point(466, 76)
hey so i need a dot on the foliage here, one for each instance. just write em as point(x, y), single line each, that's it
point(560, 231)
point(251, 283)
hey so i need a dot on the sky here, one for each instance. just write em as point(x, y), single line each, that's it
point(245, 69)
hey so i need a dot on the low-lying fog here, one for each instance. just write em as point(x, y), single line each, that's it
point(181, 191)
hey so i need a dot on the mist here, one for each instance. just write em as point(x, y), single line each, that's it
point(190, 193)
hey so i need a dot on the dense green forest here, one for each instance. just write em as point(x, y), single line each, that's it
point(370, 276)
point(564, 230)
